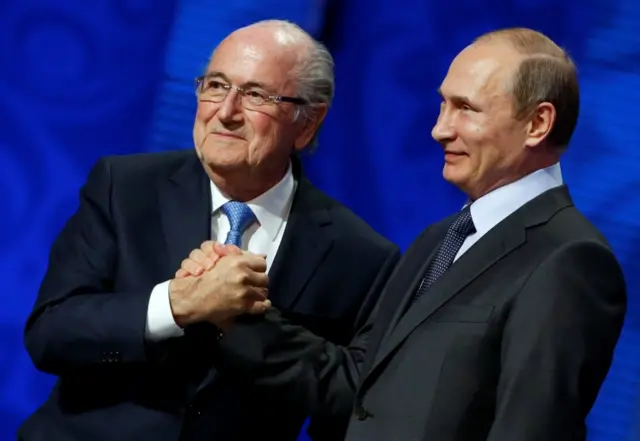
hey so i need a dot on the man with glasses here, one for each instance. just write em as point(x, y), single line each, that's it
point(132, 346)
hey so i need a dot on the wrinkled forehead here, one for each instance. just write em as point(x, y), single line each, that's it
point(247, 59)
point(481, 72)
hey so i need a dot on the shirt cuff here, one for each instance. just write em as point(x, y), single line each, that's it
point(160, 322)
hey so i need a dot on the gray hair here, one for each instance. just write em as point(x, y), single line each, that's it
point(313, 72)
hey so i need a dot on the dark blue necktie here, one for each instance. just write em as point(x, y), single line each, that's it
point(460, 228)
point(240, 217)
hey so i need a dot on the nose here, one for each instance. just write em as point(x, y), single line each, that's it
point(443, 131)
point(230, 108)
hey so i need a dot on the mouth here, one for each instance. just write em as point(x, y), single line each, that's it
point(227, 135)
point(448, 155)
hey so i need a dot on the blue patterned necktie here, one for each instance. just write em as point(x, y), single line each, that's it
point(240, 217)
point(460, 228)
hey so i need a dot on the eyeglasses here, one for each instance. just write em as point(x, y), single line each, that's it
point(215, 90)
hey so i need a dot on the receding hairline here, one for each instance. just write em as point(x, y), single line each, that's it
point(285, 34)
point(545, 73)
point(527, 42)
point(529, 45)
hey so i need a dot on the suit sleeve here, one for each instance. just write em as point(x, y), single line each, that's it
point(558, 345)
point(317, 375)
point(77, 319)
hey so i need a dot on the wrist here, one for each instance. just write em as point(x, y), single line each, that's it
point(179, 294)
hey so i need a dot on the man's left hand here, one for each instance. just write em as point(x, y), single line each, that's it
point(201, 259)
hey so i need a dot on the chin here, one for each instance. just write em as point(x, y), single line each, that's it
point(455, 174)
point(225, 164)
point(222, 156)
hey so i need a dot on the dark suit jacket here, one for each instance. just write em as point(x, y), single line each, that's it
point(139, 216)
point(512, 343)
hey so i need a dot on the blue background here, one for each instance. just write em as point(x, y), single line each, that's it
point(84, 79)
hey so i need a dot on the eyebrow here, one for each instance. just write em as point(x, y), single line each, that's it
point(456, 98)
point(246, 85)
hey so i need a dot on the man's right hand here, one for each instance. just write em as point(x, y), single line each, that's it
point(234, 284)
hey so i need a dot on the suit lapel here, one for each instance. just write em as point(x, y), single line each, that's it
point(185, 207)
point(411, 268)
point(489, 250)
point(304, 246)
point(417, 259)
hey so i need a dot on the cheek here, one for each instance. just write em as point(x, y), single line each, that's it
point(264, 130)
point(474, 125)
point(481, 143)
point(205, 111)
point(203, 116)
point(471, 133)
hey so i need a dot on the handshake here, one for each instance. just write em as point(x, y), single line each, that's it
point(216, 283)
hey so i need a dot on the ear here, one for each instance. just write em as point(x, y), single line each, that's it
point(310, 126)
point(540, 124)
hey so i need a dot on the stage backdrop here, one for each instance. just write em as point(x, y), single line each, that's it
point(84, 79)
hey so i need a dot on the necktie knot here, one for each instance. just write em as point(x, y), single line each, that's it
point(463, 224)
point(461, 227)
point(240, 217)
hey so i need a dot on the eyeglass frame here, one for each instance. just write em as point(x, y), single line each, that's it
point(274, 99)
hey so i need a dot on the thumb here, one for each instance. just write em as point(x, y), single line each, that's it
point(226, 250)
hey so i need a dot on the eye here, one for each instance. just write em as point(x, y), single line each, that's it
point(215, 85)
point(258, 94)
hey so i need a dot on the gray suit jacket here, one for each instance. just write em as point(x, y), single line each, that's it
point(512, 343)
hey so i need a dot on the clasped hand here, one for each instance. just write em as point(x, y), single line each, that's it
point(218, 282)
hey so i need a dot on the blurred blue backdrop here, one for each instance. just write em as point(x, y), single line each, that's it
point(84, 79)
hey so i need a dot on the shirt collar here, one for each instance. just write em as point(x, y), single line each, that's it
point(270, 208)
point(494, 207)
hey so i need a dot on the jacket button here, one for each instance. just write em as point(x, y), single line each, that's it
point(361, 413)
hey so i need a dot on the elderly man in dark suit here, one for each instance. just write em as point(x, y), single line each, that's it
point(500, 322)
point(132, 346)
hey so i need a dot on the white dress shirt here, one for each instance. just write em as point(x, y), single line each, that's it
point(492, 208)
point(262, 237)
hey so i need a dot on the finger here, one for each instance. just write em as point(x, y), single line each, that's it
point(231, 248)
point(254, 294)
point(198, 256)
point(226, 250)
point(219, 249)
point(263, 292)
point(207, 247)
point(192, 267)
point(254, 262)
point(181, 274)
point(258, 308)
point(257, 279)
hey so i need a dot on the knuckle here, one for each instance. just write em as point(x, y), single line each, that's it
point(239, 277)
point(236, 261)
